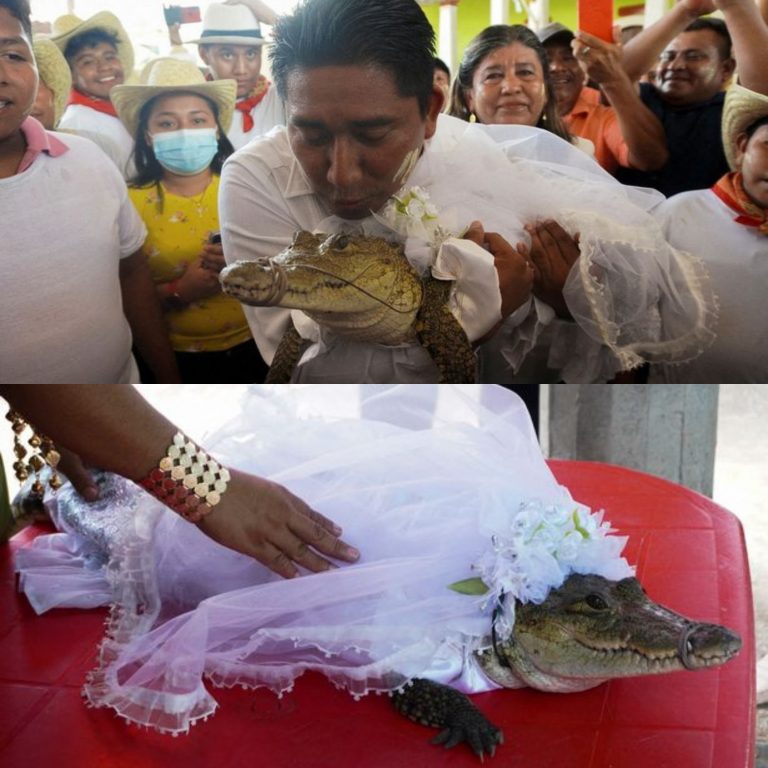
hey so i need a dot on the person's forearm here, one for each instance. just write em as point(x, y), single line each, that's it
point(641, 53)
point(143, 311)
point(641, 130)
point(110, 426)
point(749, 34)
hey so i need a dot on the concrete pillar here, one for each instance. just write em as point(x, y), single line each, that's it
point(447, 38)
point(667, 430)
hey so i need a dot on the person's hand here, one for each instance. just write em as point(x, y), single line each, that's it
point(198, 281)
point(514, 269)
point(71, 466)
point(266, 521)
point(213, 257)
point(600, 60)
point(553, 252)
point(174, 34)
point(259, 9)
point(696, 8)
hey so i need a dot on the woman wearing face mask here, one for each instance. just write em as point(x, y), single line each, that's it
point(179, 122)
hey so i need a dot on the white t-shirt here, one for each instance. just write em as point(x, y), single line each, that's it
point(736, 257)
point(79, 118)
point(268, 113)
point(66, 223)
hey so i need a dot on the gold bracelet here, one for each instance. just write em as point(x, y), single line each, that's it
point(43, 454)
point(187, 479)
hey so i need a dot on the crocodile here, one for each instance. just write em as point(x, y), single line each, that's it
point(359, 287)
point(584, 633)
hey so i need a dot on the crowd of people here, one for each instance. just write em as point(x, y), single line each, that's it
point(598, 207)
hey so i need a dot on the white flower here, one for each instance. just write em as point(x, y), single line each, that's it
point(543, 546)
point(411, 214)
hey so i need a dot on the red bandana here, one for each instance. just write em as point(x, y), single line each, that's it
point(100, 105)
point(244, 106)
point(730, 189)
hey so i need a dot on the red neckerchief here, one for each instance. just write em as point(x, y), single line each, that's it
point(100, 105)
point(244, 106)
point(730, 189)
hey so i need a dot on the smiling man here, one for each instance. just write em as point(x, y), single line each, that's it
point(626, 133)
point(100, 56)
point(694, 56)
point(363, 136)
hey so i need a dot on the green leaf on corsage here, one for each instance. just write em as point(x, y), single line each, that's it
point(473, 586)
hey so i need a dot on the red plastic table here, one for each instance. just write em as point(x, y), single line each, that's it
point(689, 553)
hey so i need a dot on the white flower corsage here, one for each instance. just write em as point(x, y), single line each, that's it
point(543, 546)
point(412, 215)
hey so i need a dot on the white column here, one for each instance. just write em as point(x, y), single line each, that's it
point(499, 11)
point(447, 45)
point(539, 11)
point(654, 10)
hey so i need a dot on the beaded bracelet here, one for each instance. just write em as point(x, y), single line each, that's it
point(187, 479)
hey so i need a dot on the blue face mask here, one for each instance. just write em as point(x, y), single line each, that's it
point(186, 152)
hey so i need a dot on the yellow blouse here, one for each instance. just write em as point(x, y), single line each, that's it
point(175, 238)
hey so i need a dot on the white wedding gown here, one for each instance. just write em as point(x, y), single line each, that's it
point(434, 485)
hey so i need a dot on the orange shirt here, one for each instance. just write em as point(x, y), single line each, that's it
point(594, 121)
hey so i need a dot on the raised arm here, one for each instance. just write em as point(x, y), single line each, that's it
point(641, 53)
point(641, 131)
point(113, 427)
point(749, 33)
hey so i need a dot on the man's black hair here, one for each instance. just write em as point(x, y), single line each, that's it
point(720, 28)
point(89, 39)
point(393, 35)
point(442, 66)
point(20, 11)
point(148, 171)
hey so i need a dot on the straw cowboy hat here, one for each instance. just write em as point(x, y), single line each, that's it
point(54, 72)
point(169, 75)
point(233, 24)
point(742, 108)
point(68, 26)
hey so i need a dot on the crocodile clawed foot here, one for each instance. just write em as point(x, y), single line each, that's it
point(458, 719)
point(472, 727)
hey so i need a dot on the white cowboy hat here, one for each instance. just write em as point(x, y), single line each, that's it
point(233, 24)
point(169, 75)
point(68, 26)
point(54, 72)
point(742, 108)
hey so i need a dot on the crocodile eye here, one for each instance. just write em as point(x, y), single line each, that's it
point(596, 602)
point(340, 242)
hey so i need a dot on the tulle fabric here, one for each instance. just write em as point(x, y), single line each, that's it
point(633, 297)
point(422, 479)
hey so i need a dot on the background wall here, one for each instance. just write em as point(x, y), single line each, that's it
point(475, 15)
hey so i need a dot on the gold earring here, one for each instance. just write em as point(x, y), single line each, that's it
point(472, 117)
point(44, 454)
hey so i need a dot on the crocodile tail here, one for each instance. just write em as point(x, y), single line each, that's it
point(286, 357)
